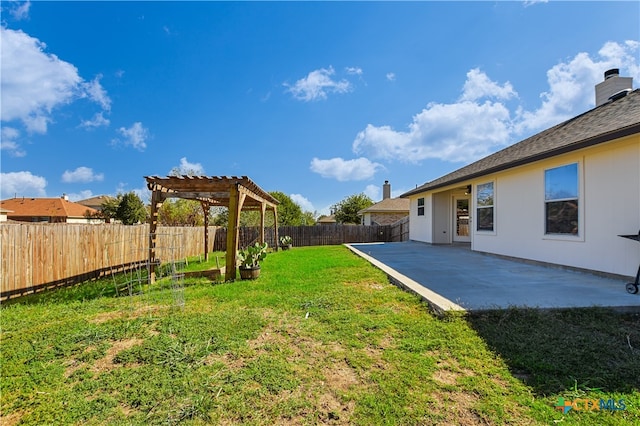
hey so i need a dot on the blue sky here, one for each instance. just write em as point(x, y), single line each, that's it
point(319, 100)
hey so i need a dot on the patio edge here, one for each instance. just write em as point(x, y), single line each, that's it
point(436, 302)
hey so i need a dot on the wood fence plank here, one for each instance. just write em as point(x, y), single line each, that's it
point(38, 254)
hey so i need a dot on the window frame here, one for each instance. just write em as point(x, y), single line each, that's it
point(420, 202)
point(478, 206)
point(579, 198)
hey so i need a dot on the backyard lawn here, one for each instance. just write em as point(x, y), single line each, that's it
point(320, 338)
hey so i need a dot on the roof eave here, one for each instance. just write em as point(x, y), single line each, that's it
point(585, 143)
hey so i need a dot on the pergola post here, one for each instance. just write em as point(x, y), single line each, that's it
point(275, 227)
point(153, 227)
point(236, 199)
point(263, 208)
point(205, 211)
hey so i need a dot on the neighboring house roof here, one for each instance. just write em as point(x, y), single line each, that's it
point(44, 207)
point(389, 205)
point(610, 121)
point(327, 219)
point(95, 202)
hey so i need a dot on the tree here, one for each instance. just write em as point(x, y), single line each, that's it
point(289, 213)
point(309, 218)
point(346, 211)
point(131, 209)
point(247, 218)
point(110, 207)
point(181, 212)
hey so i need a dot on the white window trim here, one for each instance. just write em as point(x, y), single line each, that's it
point(581, 219)
point(418, 206)
point(495, 210)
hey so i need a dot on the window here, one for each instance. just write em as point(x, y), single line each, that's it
point(484, 207)
point(561, 200)
point(420, 206)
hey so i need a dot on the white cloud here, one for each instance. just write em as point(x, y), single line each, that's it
point(354, 71)
point(8, 137)
point(303, 202)
point(391, 76)
point(317, 84)
point(82, 174)
point(34, 82)
point(528, 3)
point(457, 132)
point(9, 133)
point(136, 136)
point(373, 192)
point(481, 123)
point(187, 168)
point(94, 91)
point(82, 195)
point(571, 85)
point(22, 184)
point(478, 86)
point(345, 170)
point(20, 10)
point(96, 121)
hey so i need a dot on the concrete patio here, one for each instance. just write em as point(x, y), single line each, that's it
point(451, 277)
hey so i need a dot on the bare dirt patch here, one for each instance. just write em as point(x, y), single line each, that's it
point(106, 363)
point(458, 409)
point(129, 314)
point(328, 374)
point(11, 419)
point(446, 377)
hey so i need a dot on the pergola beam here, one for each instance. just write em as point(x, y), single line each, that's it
point(198, 195)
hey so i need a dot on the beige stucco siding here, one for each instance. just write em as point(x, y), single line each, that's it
point(609, 205)
point(420, 227)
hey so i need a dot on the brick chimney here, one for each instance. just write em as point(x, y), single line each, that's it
point(386, 190)
point(612, 85)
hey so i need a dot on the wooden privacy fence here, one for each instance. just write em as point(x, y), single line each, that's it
point(400, 230)
point(37, 256)
point(320, 235)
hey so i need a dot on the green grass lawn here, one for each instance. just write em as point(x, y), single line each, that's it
point(320, 338)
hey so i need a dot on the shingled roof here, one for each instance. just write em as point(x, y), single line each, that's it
point(95, 202)
point(44, 207)
point(389, 205)
point(610, 121)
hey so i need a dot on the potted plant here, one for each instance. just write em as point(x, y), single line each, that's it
point(250, 259)
point(285, 242)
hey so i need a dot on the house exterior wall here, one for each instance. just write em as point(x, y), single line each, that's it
point(609, 205)
point(84, 220)
point(442, 227)
point(384, 218)
point(420, 227)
